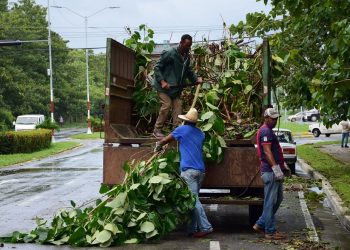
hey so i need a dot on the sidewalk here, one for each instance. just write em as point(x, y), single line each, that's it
point(336, 204)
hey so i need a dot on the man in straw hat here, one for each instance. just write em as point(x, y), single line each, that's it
point(191, 140)
point(272, 169)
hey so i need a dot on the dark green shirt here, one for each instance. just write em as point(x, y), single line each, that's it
point(174, 69)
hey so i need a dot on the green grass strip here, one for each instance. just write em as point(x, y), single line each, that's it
point(84, 136)
point(6, 160)
point(337, 172)
point(295, 127)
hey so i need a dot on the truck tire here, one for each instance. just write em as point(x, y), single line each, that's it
point(255, 212)
point(313, 118)
point(292, 168)
point(304, 119)
point(293, 120)
point(328, 135)
point(316, 132)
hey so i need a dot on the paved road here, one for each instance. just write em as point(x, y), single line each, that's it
point(40, 188)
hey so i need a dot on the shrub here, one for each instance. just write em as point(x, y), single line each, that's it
point(47, 124)
point(97, 124)
point(12, 142)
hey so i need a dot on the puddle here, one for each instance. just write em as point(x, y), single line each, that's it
point(37, 170)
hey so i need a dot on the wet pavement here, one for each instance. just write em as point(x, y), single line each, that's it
point(40, 188)
point(336, 151)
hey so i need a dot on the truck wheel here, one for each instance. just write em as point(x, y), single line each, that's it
point(304, 119)
point(292, 168)
point(293, 120)
point(314, 118)
point(316, 132)
point(255, 212)
point(328, 135)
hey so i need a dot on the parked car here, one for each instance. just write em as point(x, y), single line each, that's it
point(288, 146)
point(297, 117)
point(318, 128)
point(28, 122)
point(311, 115)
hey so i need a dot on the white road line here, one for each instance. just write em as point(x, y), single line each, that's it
point(213, 207)
point(214, 245)
point(309, 223)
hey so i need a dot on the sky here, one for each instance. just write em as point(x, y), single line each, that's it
point(168, 18)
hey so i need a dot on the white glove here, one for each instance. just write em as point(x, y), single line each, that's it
point(158, 147)
point(278, 172)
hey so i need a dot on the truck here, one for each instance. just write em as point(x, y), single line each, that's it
point(28, 122)
point(235, 180)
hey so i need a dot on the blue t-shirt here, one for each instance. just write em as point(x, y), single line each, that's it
point(265, 135)
point(191, 140)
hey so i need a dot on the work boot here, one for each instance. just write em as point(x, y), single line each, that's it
point(158, 134)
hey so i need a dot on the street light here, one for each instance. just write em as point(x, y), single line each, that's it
point(86, 55)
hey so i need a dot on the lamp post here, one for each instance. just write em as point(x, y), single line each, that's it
point(86, 56)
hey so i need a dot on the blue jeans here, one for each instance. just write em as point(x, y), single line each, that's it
point(199, 221)
point(273, 192)
point(344, 139)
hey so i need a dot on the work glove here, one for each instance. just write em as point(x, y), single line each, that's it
point(158, 147)
point(278, 172)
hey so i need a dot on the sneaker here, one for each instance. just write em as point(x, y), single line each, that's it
point(342, 146)
point(275, 236)
point(158, 134)
point(259, 229)
point(202, 233)
point(346, 146)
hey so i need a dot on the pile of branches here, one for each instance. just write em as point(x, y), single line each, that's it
point(152, 201)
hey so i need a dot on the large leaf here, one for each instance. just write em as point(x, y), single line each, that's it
point(147, 227)
point(117, 201)
point(104, 236)
point(207, 115)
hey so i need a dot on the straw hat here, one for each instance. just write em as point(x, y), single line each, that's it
point(191, 116)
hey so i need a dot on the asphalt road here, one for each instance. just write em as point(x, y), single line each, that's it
point(40, 188)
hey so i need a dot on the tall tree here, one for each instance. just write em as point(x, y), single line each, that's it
point(313, 38)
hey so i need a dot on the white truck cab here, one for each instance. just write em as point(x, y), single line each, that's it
point(28, 122)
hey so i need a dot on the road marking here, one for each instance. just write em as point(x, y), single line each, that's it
point(214, 245)
point(213, 207)
point(309, 223)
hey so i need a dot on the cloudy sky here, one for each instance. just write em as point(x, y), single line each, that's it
point(168, 18)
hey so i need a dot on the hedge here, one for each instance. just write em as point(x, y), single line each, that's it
point(12, 142)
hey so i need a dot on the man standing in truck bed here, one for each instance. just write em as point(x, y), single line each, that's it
point(170, 75)
point(271, 167)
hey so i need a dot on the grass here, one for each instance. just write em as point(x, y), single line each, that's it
point(84, 136)
point(295, 127)
point(6, 160)
point(337, 172)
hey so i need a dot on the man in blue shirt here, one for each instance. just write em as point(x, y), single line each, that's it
point(271, 166)
point(191, 140)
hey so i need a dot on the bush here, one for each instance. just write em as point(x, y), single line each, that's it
point(24, 141)
point(47, 124)
point(97, 124)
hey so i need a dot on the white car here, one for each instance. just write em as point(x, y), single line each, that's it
point(311, 115)
point(28, 122)
point(288, 146)
point(318, 129)
point(297, 117)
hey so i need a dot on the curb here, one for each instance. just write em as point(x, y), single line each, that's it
point(302, 134)
point(335, 201)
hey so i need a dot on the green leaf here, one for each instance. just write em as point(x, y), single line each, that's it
point(134, 186)
point(207, 126)
point(155, 179)
point(119, 211)
point(162, 165)
point(207, 115)
point(277, 58)
point(117, 201)
point(221, 141)
point(151, 234)
point(147, 227)
point(211, 106)
point(248, 88)
point(112, 228)
point(72, 203)
point(131, 241)
point(141, 216)
point(103, 236)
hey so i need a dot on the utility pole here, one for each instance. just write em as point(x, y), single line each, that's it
point(87, 57)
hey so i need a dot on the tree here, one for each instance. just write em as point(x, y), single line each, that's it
point(313, 38)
